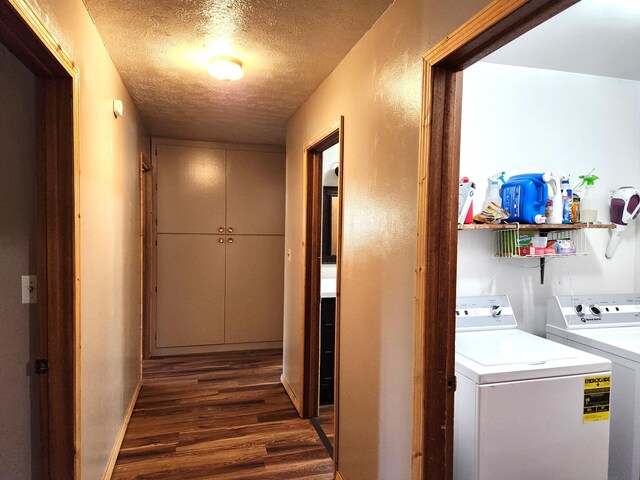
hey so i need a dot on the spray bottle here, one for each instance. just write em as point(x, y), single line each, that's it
point(567, 200)
point(589, 202)
point(493, 190)
point(553, 212)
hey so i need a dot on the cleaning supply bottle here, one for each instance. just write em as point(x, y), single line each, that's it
point(567, 210)
point(494, 182)
point(554, 206)
point(493, 195)
point(466, 193)
point(564, 186)
point(589, 201)
point(575, 208)
point(525, 196)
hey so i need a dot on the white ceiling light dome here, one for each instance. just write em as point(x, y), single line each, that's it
point(226, 68)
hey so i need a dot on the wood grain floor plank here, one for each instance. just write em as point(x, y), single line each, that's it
point(222, 416)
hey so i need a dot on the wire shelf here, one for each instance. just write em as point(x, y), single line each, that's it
point(519, 243)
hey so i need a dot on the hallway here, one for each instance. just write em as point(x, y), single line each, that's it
point(224, 416)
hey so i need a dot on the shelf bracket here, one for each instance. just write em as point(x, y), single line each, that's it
point(543, 261)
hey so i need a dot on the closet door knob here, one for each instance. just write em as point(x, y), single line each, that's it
point(221, 240)
point(230, 240)
point(230, 229)
point(221, 229)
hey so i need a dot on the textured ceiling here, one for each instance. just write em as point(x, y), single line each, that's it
point(288, 47)
point(595, 37)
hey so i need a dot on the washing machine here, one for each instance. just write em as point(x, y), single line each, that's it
point(526, 408)
point(608, 326)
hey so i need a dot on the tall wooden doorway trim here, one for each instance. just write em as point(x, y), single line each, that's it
point(438, 172)
point(312, 159)
point(146, 252)
point(26, 37)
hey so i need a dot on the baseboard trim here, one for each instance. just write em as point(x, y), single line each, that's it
point(159, 352)
point(292, 396)
point(339, 476)
point(123, 430)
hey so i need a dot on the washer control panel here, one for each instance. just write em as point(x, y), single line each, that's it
point(585, 311)
point(484, 313)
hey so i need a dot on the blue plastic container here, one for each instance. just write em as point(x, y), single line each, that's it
point(525, 198)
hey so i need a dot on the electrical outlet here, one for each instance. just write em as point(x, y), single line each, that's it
point(29, 289)
point(289, 255)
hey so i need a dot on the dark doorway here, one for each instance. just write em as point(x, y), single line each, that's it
point(323, 169)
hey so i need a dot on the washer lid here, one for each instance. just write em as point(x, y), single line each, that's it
point(512, 355)
point(621, 341)
point(510, 348)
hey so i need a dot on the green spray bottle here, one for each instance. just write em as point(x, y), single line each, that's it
point(589, 201)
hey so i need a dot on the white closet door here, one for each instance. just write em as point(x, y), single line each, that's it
point(255, 284)
point(255, 192)
point(191, 189)
point(191, 289)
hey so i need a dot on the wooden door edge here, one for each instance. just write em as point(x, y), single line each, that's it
point(146, 250)
point(494, 26)
point(58, 228)
point(320, 142)
point(315, 143)
point(34, 45)
point(310, 285)
point(336, 375)
point(146, 233)
point(153, 303)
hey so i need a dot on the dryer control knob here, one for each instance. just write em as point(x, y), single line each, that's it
point(595, 310)
point(496, 310)
point(581, 310)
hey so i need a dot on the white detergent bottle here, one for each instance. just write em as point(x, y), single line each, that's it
point(493, 195)
point(553, 211)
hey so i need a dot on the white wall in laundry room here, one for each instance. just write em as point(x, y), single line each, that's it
point(526, 120)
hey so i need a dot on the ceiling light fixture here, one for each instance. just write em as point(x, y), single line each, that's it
point(226, 68)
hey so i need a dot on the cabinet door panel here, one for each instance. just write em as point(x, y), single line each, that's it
point(255, 192)
point(191, 288)
point(255, 289)
point(191, 189)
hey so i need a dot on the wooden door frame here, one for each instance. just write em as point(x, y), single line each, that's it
point(26, 37)
point(146, 251)
point(438, 176)
point(312, 209)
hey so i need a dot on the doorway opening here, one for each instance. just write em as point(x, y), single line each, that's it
point(323, 234)
point(438, 174)
point(57, 231)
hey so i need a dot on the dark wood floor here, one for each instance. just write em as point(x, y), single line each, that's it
point(324, 424)
point(326, 420)
point(225, 416)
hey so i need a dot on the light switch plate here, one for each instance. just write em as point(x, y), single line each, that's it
point(29, 289)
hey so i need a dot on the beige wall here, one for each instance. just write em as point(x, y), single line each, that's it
point(377, 89)
point(19, 441)
point(110, 328)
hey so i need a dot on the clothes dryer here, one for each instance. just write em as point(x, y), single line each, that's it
point(608, 326)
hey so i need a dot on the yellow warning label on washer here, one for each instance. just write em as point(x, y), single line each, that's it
point(597, 395)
